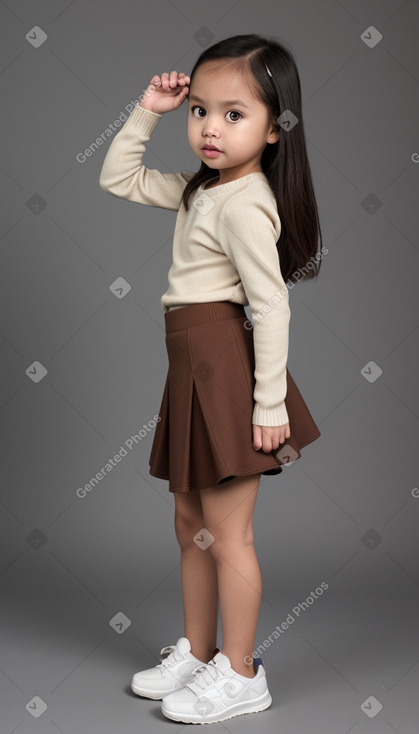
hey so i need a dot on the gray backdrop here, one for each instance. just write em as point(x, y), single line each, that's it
point(90, 584)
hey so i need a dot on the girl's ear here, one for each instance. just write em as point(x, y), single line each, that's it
point(273, 136)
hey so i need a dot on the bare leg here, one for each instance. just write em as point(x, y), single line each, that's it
point(199, 577)
point(228, 515)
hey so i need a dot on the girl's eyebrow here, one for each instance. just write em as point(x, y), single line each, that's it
point(224, 102)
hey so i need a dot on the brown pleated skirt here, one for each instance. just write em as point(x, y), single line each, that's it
point(205, 434)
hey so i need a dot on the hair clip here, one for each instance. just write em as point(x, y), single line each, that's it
point(275, 87)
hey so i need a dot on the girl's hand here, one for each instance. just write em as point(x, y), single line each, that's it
point(165, 94)
point(269, 437)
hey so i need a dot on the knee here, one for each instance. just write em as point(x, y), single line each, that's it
point(186, 527)
point(227, 543)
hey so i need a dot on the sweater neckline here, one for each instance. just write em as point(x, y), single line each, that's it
point(225, 187)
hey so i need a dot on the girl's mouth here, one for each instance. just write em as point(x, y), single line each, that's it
point(211, 152)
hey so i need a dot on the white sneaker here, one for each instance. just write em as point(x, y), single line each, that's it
point(216, 693)
point(170, 674)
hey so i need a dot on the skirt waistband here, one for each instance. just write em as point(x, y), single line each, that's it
point(201, 313)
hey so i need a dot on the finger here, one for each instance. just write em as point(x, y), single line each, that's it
point(165, 80)
point(257, 441)
point(266, 441)
point(180, 97)
point(173, 79)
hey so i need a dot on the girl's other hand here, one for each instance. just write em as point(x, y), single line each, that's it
point(268, 438)
point(165, 93)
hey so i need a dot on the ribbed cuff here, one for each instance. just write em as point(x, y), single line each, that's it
point(142, 122)
point(270, 416)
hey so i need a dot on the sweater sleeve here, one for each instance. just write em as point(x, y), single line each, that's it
point(123, 173)
point(249, 230)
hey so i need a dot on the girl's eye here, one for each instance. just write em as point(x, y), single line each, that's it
point(235, 113)
point(197, 107)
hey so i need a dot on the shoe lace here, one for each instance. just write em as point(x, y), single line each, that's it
point(173, 656)
point(204, 675)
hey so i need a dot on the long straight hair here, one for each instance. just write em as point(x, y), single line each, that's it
point(284, 163)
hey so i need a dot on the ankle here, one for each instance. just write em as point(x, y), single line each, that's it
point(240, 666)
point(204, 655)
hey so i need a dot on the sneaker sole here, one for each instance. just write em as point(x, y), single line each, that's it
point(251, 707)
point(155, 695)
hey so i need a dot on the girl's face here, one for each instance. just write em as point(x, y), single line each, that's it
point(222, 111)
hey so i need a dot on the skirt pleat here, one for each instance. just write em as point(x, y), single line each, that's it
point(205, 434)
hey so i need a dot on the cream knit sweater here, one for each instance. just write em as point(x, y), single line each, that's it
point(224, 249)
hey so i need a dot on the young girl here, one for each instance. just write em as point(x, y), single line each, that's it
point(247, 223)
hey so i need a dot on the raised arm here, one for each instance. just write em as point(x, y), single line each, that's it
point(123, 173)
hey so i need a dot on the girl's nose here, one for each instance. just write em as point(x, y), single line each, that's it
point(210, 127)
